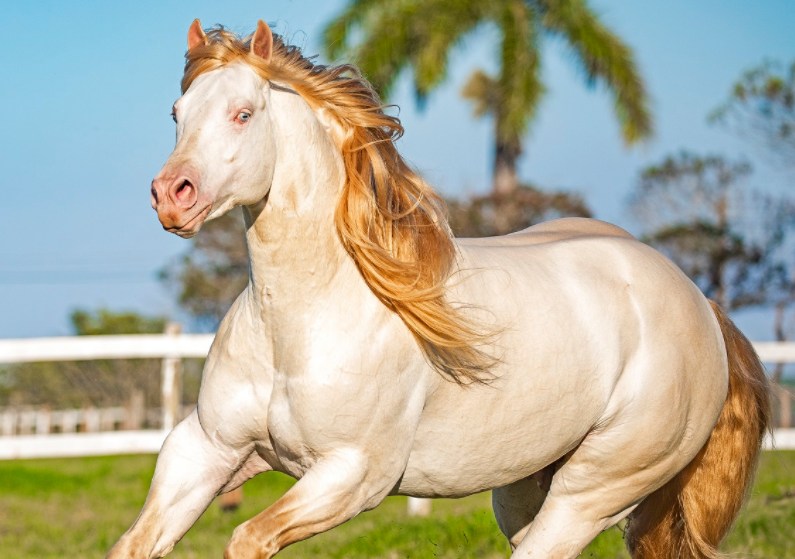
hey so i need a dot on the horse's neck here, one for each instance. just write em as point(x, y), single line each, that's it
point(293, 246)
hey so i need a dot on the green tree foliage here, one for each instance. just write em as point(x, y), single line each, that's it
point(385, 37)
point(761, 109)
point(730, 240)
point(107, 322)
point(500, 213)
point(88, 383)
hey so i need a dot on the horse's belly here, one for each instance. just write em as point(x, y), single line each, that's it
point(472, 448)
point(496, 461)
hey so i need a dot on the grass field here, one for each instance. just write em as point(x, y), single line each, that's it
point(77, 508)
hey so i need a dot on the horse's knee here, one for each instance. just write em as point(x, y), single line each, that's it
point(245, 544)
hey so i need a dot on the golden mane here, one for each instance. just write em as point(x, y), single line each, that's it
point(389, 220)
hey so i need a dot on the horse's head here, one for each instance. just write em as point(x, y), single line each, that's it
point(224, 155)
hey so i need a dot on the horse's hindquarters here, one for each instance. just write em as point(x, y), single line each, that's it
point(608, 353)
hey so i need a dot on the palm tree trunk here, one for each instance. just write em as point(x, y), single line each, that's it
point(505, 178)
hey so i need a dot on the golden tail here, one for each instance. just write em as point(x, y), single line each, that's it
point(689, 516)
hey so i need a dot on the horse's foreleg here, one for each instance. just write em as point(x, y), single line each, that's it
point(192, 469)
point(334, 490)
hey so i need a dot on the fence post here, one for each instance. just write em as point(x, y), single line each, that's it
point(43, 421)
point(170, 375)
point(785, 407)
point(8, 422)
point(136, 410)
point(69, 419)
point(419, 507)
point(91, 417)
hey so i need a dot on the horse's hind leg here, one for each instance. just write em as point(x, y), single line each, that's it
point(589, 492)
point(562, 529)
point(604, 479)
point(516, 504)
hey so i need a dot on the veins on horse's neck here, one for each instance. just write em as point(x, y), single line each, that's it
point(293, 245)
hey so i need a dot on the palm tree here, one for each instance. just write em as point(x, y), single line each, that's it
point(386, 36)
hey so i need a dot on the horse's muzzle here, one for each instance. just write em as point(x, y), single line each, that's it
point(175, 197)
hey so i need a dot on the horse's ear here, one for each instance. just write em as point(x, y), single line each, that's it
point(196, 36)
point(262, 41)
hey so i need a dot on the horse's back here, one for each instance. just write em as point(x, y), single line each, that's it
point(589, 277)
point(565, 229)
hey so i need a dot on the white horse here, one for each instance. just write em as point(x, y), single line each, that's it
point(569, 368)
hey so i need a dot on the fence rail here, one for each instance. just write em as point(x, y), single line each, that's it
point(159, 346)
point(88, 348)
point(17, 427)
point(43, 420)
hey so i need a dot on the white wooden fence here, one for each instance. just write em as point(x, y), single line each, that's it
point(171, 347)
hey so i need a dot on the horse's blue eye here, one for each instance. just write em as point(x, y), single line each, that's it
point(243, 116)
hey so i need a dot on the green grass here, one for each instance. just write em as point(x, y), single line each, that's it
point(77, 508)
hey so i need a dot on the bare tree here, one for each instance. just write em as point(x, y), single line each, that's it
point(761, 110)
point(731, 241)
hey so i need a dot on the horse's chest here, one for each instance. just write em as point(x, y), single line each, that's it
point(288, 435)
point(316, 413)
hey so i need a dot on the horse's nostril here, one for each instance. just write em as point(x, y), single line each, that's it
point(153, 190)
point(184, 191)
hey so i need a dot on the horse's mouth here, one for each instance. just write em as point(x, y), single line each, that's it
point(192, 226)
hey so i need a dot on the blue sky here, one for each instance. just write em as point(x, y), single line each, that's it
point(87, 89)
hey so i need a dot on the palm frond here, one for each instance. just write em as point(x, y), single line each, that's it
point(397, 34)
point(519, 83)
point(481, 90)
point(336, 34)
point(441, 25)
point(603, 58)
